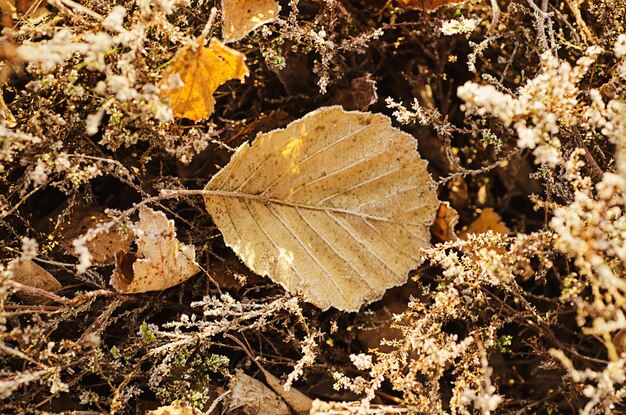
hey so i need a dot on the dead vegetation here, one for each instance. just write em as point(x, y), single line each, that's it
point(159, 158)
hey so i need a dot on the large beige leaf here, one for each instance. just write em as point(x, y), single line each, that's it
point(336, 206)
point(243, 16)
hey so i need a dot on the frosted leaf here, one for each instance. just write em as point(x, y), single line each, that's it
point(336, 206)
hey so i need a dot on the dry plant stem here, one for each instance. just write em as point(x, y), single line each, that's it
point(19, 203)
point(63, 300)
point(99, 325)
point(43, 261)
point(10, 351)
point(246, 350)
point(217, 402)
point(36, 291)
point(592, 162)
point(28, 309)
point(299, 402)
point(78, 7)
point(574, 6)
point(209, 24)
point(473, 172)
point(541, 16)
point(116, 401)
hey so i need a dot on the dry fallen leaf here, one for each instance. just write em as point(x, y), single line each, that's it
point(29, 273)
point(194, 75)
point(336, 206)
point(243, 16)
point(488, 220)
point(161, 261)
point(360, 95)
point(299, 403)
point(446, 219)
point(249, 396)
point(102, 246)
point(426, 4)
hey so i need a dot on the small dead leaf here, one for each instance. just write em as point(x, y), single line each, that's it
point(426, 4)
point(104, 245)
point(161, 261)
point(27, 6)
point(175, 410)
point(194, 75)
point(360, 95)
point(445, 221)
point(488, 220)
point(296, 400)
point(336, 206)
point(29, 273)
point(251, 397)
point(619, 341)
point(243, 16)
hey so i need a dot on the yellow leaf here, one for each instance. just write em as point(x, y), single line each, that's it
point(194, 75)
point(336, 206)
point(243, 16)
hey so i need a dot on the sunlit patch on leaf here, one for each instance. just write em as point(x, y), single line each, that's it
point(175, 410)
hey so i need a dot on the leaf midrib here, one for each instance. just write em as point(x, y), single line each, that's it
point(266, 200)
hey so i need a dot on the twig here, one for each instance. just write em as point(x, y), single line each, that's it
point(580, 22)
point(36, 291)
point(210, 22)
point(495, 17)
point(484, 169)
point(19, 203)
point(592, 162)
point(79, 7)
point(11, 351)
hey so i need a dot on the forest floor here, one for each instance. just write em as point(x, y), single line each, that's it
point(131, 282)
